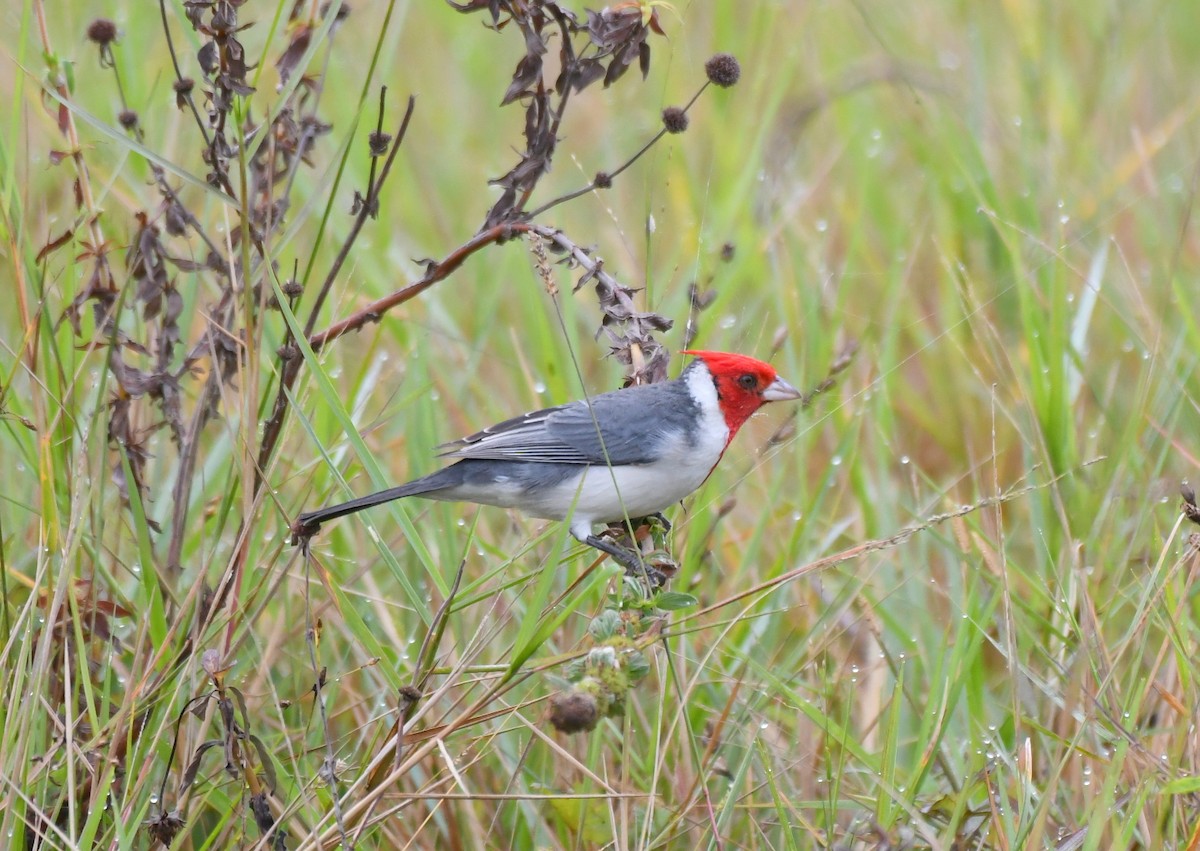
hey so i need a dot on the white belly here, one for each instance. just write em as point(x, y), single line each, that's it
point(607, 495)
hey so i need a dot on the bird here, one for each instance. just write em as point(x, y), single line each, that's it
point(619, 456)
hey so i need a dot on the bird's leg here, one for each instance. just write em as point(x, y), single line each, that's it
point(628, 559)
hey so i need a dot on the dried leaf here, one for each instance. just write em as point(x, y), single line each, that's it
point(528, 72)
point(193, 768)
point(54, 244)
point(291, 56)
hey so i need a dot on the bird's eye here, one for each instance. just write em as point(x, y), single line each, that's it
point(748, 382)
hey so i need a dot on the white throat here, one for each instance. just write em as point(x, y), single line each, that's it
point(712, 434)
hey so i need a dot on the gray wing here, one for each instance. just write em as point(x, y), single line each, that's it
point(631, 422)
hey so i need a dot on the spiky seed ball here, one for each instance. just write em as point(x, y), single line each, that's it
point(723, 70)
point(675, 120)
point(102, 31)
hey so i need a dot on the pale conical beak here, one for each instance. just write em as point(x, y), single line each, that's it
point(779, 391)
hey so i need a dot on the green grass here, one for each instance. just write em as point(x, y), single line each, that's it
point(993, 200)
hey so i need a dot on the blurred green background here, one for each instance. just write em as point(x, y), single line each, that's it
point(994, 200)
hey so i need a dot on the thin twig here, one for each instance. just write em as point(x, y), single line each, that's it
point(179, 78)
point(879, 544)
point(434, 273)
point(291, 367)
point(610, 175)
point(328, 770)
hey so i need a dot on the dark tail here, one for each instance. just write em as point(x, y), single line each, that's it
point(309, 523)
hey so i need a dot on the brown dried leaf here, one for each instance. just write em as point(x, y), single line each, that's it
point(56, 243)
point(193, 768)
point(528, 72)
point(291, 56)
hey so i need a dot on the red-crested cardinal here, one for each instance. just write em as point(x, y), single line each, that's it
point(619, 456)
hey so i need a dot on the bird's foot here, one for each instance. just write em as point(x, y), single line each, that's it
point(652, 572)
point(649, 571)
point(659, 518)
point(656, 569)
point(635, 525)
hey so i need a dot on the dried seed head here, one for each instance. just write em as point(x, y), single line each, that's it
point(264, 819)
point(210, 660)
point(410, 693)
point(675, 120)
point(602, 180)
point(574, 712)
point(723, 70)
point(102, 31)
point(165, 826)
point(183, 89)
point(378, 143)
point(128, 119)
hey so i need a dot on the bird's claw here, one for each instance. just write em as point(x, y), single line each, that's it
point(631, 560)
point(652, 575)
point(661, 520)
